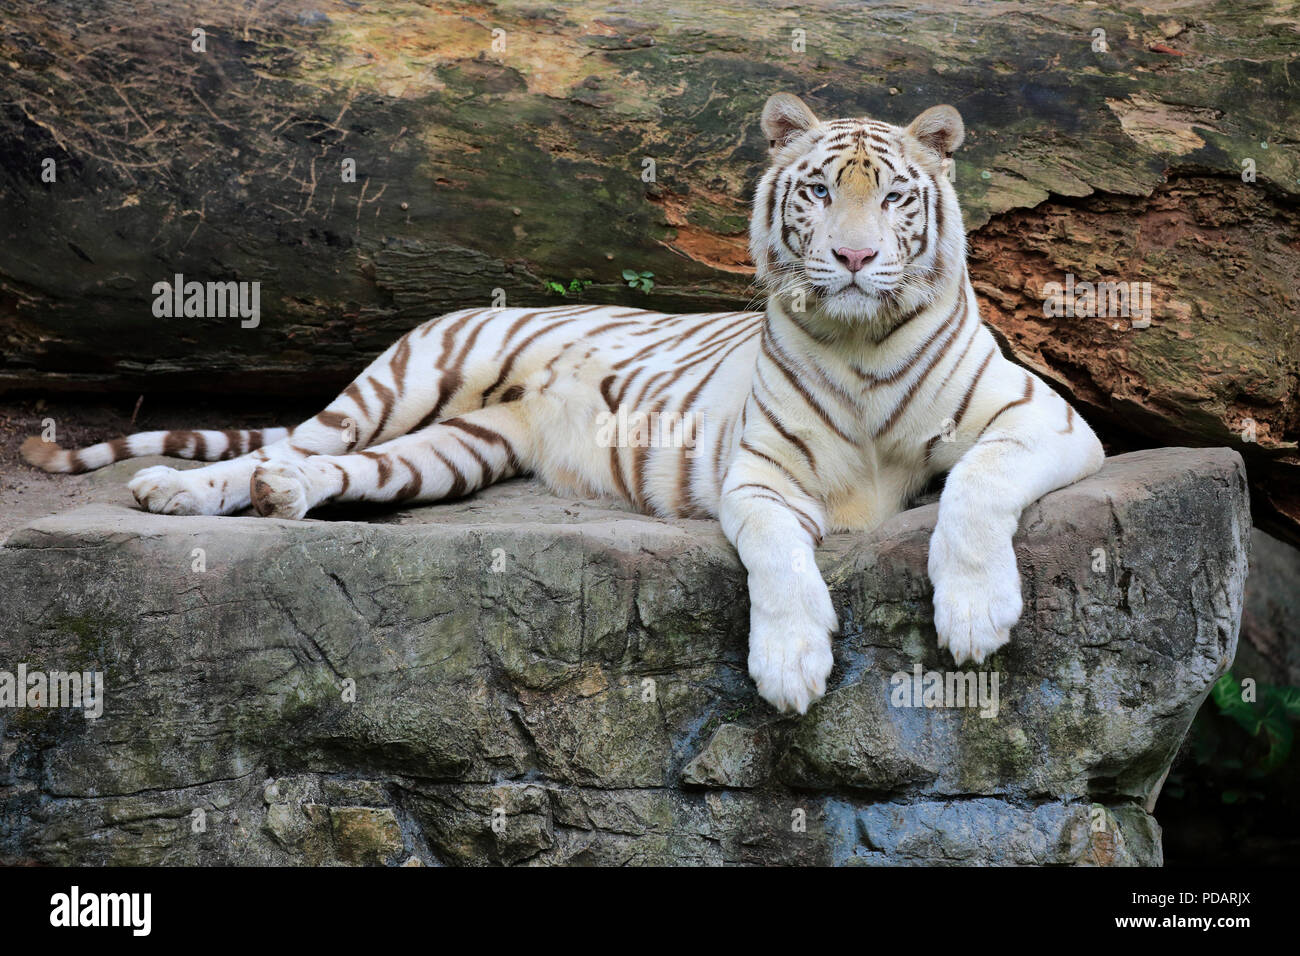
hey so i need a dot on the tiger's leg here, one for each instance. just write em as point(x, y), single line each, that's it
point(222, 488)
point(451, 458)
point(1033, 445)
point(379, 404)
point(775, 526)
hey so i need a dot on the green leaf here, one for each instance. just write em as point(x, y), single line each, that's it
point(1280, 737)
point(629, 274)
point(1225, 691)
point(1289, 698)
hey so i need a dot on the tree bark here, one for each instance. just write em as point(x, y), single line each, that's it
point(579, 142)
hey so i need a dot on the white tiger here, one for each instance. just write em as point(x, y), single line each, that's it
point(869, 373)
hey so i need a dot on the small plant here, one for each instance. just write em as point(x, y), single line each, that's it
point(575, 286)
point(645, 281)
point(1268, 719)
point(1236, 746)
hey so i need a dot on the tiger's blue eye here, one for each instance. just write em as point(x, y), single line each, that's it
point(894, 197)
point(820, 191)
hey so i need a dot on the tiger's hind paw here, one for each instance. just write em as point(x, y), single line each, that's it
point(167, 491)
point(279, 490)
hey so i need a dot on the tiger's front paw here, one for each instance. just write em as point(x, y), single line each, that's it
point(790, 645)
point(975, 604)
point(279, 489)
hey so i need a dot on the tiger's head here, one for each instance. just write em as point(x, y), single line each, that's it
point(855, 220)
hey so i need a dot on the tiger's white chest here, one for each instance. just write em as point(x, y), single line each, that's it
point(881, 483)
point(857, 509)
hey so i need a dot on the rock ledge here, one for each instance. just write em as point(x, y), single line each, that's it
point(519, 678)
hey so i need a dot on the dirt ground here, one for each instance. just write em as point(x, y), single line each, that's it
point(27, 493)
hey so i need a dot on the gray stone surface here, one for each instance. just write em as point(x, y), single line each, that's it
point(524, 679)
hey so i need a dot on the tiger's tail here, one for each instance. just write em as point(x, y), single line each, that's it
point(207, 445)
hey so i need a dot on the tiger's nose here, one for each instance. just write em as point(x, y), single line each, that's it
point(854, 259)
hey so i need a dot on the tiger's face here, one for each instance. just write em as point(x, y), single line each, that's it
point(854, 219)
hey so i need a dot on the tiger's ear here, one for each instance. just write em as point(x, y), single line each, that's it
point(939, 128)
point(785, 117)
